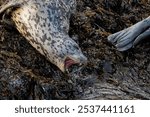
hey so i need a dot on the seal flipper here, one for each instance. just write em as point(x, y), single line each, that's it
point(142, 36)
point(129, 37)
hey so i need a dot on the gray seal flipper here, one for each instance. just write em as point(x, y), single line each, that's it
point(142, 36)
point(129, 37)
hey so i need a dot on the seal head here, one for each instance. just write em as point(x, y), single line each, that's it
point(68, 54)
point(45, 24)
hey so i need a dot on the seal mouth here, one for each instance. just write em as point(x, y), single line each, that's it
point(69, 62)
point(72, 62)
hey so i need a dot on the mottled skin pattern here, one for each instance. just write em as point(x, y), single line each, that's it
point(45, 24)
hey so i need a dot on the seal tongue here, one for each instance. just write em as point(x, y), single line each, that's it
point(69, 62)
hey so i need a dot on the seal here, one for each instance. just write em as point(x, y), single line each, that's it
point(131, 36)
point(45, 24)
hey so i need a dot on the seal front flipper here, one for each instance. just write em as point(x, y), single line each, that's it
point(129, 37)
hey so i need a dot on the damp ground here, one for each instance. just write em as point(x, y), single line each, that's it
point(109, 74)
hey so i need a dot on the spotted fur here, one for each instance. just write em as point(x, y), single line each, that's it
point(45, 24)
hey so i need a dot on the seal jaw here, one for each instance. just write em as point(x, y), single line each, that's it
point(79, 60)
point(74, 60)
point(69, 62)
point(69, 54)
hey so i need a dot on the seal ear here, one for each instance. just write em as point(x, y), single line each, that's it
point(10, 4)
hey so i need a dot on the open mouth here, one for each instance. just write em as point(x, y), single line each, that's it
point(69, 62)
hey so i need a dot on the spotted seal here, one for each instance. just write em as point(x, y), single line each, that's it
point(45, 24)
point(131, 36)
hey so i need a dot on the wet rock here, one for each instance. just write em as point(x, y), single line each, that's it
point(107, 67)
